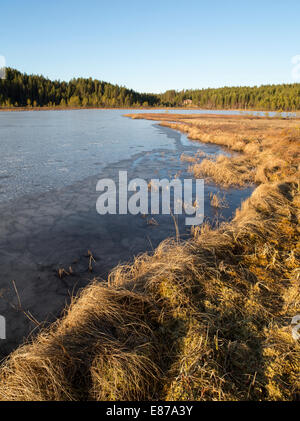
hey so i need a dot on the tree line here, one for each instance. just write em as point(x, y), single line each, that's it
point(284, 97)
point(22, 90)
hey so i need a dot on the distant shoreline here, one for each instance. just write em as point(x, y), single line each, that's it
point(16, 109)
point(11, 109)
point(8, 109)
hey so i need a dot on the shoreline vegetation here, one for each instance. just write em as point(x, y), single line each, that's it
point(247, 112)
point(21, 91)
point(203, 319)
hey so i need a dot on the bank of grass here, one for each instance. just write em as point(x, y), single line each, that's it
point(204, 319)
point(266, 149)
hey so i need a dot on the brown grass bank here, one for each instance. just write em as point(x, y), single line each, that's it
point(205, 319)
point(269, 148)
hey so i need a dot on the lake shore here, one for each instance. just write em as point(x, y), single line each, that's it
point(59, 108)
point(207, 318)
point(43, 233)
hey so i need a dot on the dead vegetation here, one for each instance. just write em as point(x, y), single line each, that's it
point(218, 201)
point(188, 158)
point(269, 148)
point(204, 319)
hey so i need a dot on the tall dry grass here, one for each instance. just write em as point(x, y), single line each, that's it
point(269, 148)
point(204, 319)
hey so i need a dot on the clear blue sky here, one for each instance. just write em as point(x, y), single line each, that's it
point(153, 45)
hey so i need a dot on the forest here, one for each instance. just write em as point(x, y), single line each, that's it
point(22, 90)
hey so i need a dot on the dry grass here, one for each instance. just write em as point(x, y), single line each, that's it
point(188, 158)
point(205, 319)
point(270, 146)
point(101, 349)
point(218, 201)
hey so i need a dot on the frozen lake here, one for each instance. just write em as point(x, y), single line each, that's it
point(51, 162)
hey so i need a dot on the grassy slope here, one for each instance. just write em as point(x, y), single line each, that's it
point(205, 319)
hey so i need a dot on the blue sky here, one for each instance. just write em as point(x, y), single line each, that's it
point(151, 45)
